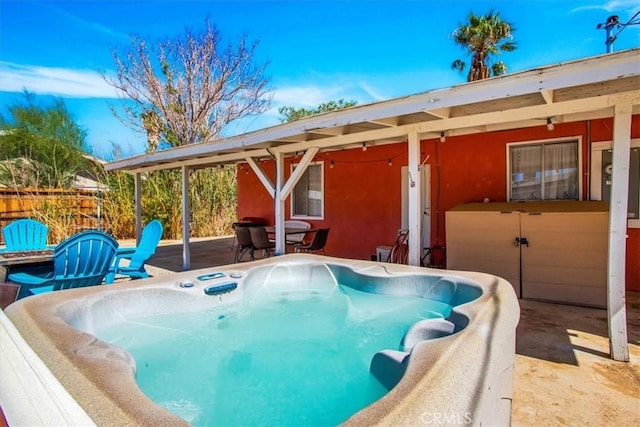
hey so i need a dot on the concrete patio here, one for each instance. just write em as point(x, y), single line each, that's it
point(563, 374)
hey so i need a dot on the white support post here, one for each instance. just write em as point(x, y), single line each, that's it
point(186, 256)
point(415, 214)
point(279, 205)
point(137, 195)
point(617, 315)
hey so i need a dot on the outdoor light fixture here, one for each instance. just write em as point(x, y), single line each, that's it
point(442, 137)
point(550, 125)
point(390, 163)
point(332, 164)
point(364, 146)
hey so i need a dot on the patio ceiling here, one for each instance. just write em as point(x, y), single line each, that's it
point(573, 91)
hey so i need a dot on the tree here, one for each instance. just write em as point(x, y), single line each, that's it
point(290, 114)
point(482, 37)
point(186, 89)
point(41, 146)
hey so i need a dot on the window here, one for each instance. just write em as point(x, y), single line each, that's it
point(307, 197)
point(544, 171)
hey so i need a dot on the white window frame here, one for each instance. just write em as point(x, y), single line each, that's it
point(292, 204)
point(577, 138)
point(596, 172)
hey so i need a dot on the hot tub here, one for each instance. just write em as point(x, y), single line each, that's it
point(452, 367)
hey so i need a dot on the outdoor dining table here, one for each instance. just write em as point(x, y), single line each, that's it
point(290, 230)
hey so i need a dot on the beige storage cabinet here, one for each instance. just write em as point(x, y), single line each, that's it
point(551, 251)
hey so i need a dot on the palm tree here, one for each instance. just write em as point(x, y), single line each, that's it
point(483, 36)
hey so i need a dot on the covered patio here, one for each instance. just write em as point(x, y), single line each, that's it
point(606, 86)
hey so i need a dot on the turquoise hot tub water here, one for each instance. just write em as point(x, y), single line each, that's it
point(294, 350)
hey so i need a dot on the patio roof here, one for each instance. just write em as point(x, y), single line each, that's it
point(566, 92)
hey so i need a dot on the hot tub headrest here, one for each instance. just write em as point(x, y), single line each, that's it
point(425, 330)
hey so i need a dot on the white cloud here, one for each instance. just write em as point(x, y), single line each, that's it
point(611, 6)
point(306, 95)
point(362, 88)
point(88, 26)
point(372, 91)
point(54, 81)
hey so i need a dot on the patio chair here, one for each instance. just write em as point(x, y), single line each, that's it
point(244, 245)
point(247, 221)
point(81, 260)
point(317, 244)
point(25, 235)
point(293, 239)
point(260, 240)
point(137, 256)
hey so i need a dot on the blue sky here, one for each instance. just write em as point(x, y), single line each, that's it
point(317, 50)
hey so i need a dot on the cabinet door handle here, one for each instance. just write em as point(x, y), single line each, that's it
point(521, 241)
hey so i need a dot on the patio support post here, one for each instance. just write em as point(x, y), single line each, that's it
point(186, 256)
point(617, 317)
point(415, 216)
point(279, 202)
point(137, 196)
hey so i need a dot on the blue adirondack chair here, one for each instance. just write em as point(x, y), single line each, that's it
point(25, 235)
point(139, 255)
point(81, 260)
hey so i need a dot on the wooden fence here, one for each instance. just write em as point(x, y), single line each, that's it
point(65, 211)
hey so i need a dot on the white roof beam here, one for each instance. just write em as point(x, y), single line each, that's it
point(547, 95)
point(589, 108)
point(388, 121)
point(206, 160)
point(441, 113)
point(483, 119)
point(340, 130)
